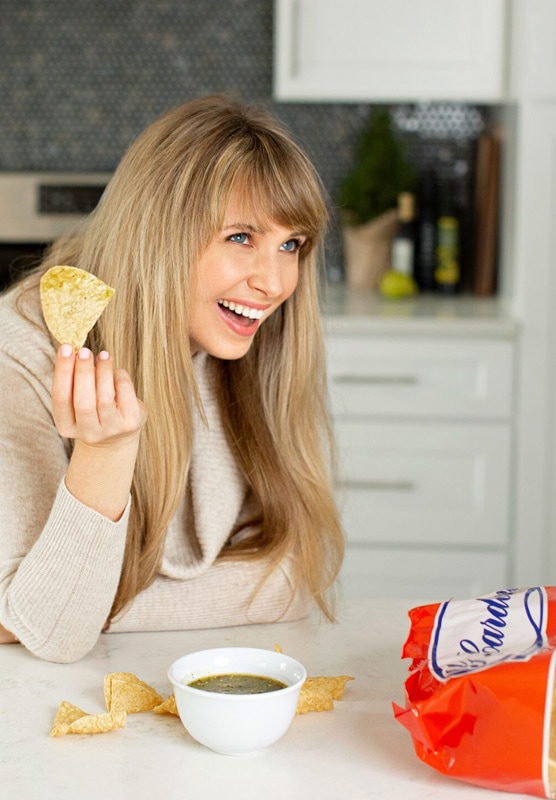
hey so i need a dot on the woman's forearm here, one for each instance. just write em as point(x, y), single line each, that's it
point(223, 595)
point(57, 600)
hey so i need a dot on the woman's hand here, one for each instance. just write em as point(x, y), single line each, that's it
point(6, 637)
point(96, 405)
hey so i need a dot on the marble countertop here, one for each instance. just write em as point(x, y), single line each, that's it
point(356, 751)
point(350, 311)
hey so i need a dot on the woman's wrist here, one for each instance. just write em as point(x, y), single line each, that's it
point(100, 476)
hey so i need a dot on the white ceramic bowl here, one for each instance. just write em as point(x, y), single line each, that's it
point(236, 724)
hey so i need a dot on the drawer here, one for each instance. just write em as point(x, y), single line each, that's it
point(420, 575)
point(433, 483)
point(420, 377)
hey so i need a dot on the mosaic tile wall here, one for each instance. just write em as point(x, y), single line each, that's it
point(78, 80)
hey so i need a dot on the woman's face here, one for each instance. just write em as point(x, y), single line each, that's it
point(248, 269)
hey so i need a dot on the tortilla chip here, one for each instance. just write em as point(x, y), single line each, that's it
point(65, 716)
point(335, 686)
point(278, 649)
point(72, 301)
point(71, 719)
point(167, 707)
point(318, 694)
point(123, 691)
point(314, 698)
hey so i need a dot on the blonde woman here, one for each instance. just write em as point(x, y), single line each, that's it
point(175, 473)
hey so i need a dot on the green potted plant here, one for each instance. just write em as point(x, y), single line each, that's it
point(368, 196)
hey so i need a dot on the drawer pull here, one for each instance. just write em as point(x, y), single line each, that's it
point(376, 380)
point(379, 486)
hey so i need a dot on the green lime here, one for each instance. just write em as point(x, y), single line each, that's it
point(395, 285)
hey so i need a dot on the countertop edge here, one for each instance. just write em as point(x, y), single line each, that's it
point(350, 312)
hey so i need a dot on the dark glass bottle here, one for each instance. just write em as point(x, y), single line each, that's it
point(425, 262)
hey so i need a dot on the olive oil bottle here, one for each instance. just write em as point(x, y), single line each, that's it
point(448, 270)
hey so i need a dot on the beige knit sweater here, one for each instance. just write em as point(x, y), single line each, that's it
point(60, 561)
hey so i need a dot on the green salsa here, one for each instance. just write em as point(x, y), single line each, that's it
point(237, 684)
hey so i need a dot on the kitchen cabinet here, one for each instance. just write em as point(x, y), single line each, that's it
point(419, 574)
point(538, 47)
point(375, 51)
point(423, 418)
point(529, 248)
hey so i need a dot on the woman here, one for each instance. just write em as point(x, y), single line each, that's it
point(192, 488)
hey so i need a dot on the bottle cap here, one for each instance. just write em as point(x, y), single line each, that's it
point(406, 206)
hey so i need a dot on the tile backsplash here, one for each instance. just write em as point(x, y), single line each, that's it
point(78, 80)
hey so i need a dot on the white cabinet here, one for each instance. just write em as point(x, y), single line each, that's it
point(399, 50)
point(424, 483)
point(538, 48)
point(421, 377)
point(530, 235)
point(424, 432)
point(417, 574)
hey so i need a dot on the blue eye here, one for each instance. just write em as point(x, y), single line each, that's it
point(240, 238)
point(292, 245)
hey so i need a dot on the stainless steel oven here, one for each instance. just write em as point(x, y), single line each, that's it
point(36, 208)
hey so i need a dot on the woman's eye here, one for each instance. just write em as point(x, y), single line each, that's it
point(240, 238)
point(292, 245)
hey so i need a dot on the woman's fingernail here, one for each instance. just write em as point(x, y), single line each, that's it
point(66, 350)
point(84, 354)
point(104, 355)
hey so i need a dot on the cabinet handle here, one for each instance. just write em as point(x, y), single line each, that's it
point(376, 380)
point(295, 22)
point(379, 486)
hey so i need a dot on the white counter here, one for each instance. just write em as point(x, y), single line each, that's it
point(350, 311)
point(356, 751)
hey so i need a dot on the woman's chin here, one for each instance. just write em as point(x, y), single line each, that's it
point(226, 351)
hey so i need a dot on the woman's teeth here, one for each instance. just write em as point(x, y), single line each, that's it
point(242, 311)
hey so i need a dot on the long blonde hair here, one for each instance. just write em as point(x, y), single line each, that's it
point(166, 200)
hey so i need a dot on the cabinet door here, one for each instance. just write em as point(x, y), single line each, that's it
point(424, 484)
point(420, 377)
point(421, 576)
point(539, 49)
point(372, 50)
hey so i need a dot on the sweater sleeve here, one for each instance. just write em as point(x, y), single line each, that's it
point(60, 561)
point(222, 596)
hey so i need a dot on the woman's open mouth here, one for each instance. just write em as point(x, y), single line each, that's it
point(241, 319)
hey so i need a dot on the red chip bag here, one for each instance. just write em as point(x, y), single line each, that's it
point(479, 696)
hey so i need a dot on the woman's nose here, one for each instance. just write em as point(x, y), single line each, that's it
point(266, 276)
